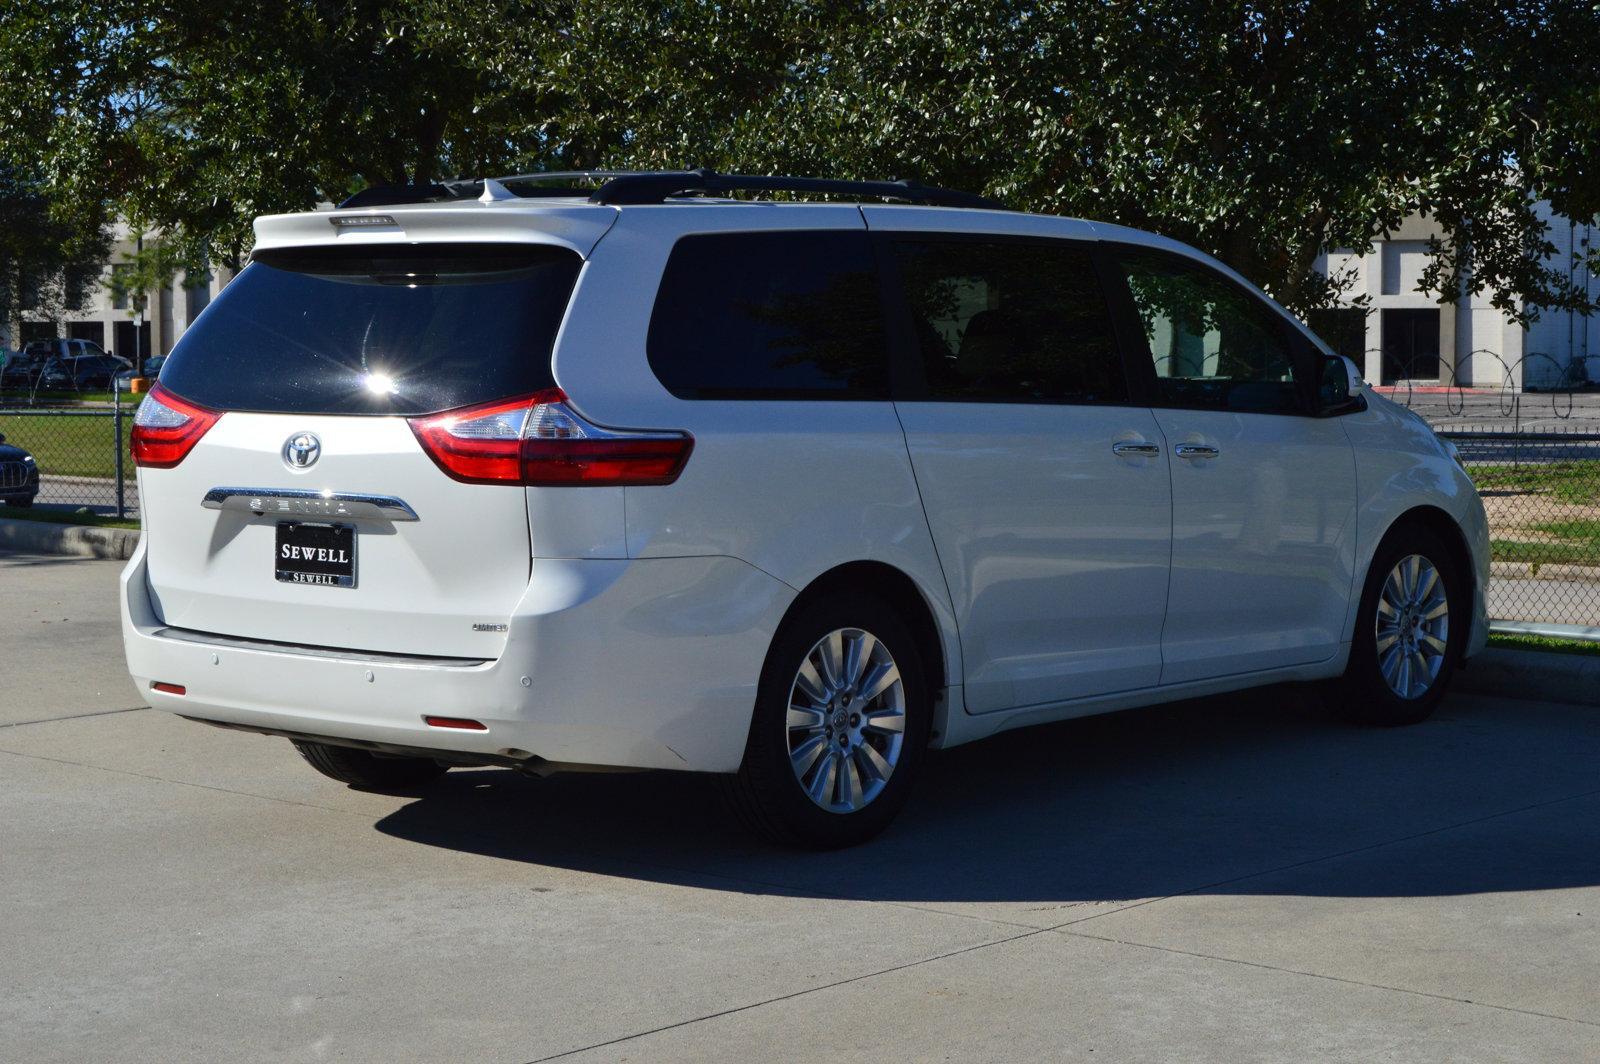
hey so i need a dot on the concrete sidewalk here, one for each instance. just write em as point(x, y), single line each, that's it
point(1234, 880)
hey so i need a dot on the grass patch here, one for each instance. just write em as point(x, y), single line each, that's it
point(65, 517)
point(1540, 642)
point(1577, 542)
point(1513, 550)
point(73, 445)
point(26, 398)
point(1573, 482)
point(1582, 529)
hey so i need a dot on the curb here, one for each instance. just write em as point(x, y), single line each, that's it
point(79, 541)
point(1532, 674)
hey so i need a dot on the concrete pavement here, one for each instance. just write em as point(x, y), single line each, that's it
point(1236, 879)
point(97, 494)
point(1543, 600)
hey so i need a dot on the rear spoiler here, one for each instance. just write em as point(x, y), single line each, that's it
point(576, 226)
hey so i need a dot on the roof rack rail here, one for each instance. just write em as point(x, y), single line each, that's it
point(644, 188)
point(522, 186)
point(623, 187)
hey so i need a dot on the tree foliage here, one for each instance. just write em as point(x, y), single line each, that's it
point(1264, 132)
point(46, 265)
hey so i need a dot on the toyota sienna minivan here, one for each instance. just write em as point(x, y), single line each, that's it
point(648, 476)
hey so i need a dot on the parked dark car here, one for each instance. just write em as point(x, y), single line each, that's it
point(61, 347)
point(22, 368)
point(152, 370)
point(81, 374)
point(19, 475)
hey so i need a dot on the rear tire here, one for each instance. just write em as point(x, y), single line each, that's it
point(368, 771)
point(840, 726)
point(1405, 650)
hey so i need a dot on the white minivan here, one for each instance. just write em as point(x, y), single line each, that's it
point(649, 476)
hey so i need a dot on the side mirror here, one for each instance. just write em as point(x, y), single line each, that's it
point(1340, 389)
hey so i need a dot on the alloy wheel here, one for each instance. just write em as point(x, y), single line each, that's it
point(846, 721)
point(1412, 626)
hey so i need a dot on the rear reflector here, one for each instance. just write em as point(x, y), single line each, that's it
point(166, 428)
point(539, 440)
point(454, 722)
point(169, 688)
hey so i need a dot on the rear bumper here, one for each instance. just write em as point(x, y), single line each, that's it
point(645, 663)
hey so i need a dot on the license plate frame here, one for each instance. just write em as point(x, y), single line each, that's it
point(338, 540)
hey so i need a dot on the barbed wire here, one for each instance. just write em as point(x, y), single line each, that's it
point(1508, 392)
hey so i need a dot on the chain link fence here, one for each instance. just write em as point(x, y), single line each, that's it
point(1532, 446)
point(1541, 491)
point(1534, 455)
point(79, 453)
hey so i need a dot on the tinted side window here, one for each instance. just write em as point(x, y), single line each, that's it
point(780, 315)
point(1215, 346)
point(1011, 321)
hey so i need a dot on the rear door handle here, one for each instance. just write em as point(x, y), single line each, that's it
point(1195, 450)
point(1131, 449)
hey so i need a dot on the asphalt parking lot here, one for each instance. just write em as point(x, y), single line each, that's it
point(1238, 879)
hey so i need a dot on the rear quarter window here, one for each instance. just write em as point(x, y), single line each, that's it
point(775, 315)
point(405, 330)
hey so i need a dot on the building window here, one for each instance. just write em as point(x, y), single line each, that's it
point(1342, 328)
point(1410, 345)
point(94, 331)
point(196, 294)
point(119, 294)
point(38, 330)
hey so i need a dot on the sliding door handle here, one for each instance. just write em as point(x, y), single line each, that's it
point(1195, 450)
point(1132, 449)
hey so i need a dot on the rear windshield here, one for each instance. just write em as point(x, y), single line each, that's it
point(394, 330)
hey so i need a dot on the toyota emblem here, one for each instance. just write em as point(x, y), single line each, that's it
point(302, 450)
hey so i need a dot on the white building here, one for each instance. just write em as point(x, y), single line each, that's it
point(1408, 334)
point(108, 321)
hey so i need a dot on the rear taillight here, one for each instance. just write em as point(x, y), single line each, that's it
point(540, 441)
point(166, 428)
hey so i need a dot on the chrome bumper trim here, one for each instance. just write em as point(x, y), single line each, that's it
point(294, 502)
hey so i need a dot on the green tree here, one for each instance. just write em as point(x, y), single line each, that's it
point(47, 266)
point(1264, 132)
point(153, 265)
point(198, 117)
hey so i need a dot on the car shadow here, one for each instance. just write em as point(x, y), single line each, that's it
point(1265, 786)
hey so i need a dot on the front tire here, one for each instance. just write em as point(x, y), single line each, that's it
point(368, 771)
point(1410, 630)
point(840, 726)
